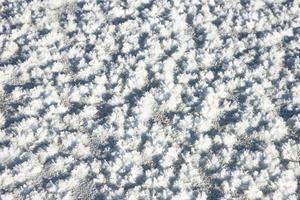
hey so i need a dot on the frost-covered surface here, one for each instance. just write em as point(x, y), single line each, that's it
point(149, 99)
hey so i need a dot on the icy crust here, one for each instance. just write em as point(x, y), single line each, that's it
point(149, 99)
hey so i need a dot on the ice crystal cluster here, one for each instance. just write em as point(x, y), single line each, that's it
point(150, 99)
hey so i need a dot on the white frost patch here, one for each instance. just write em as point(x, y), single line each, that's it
point(9, 49)
point(143, 99)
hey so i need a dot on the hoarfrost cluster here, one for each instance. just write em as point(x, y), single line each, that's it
point(149, 99)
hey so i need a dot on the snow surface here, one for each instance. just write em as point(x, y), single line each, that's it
point(150, 99)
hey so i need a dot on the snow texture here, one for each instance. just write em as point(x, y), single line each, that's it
point(149, 99)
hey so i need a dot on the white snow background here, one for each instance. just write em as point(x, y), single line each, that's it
point(149, 99)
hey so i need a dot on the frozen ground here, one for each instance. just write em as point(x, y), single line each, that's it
point(149, 99)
